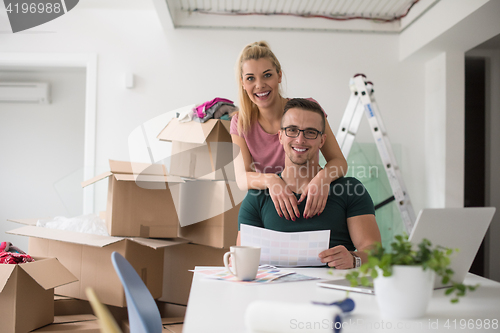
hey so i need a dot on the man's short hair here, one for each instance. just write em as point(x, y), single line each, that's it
point(307, 105)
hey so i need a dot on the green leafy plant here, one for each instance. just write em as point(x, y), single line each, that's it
point(402, 253)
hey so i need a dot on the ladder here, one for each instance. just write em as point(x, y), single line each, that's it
point(363, 99)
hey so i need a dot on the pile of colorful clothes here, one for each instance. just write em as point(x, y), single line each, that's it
point(217, 108)
point(10, 254)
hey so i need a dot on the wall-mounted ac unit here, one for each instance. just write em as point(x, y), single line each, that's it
point(24, 92)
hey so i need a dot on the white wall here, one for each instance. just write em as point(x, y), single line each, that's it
point(435, 121)
point(181, 67)
point(455, 128)
point(444, 130)
point(42, 151)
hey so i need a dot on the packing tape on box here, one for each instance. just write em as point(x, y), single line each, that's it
point(281, 317)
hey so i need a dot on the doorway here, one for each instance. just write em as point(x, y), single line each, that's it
point(475, 139)
point(42, 148)
point(25, 129)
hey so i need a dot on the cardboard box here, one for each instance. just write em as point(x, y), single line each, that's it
point(139, 201)
point(201, 150)
point(27, 293)
point(171, 310)
point(88, 257)
point(169, 325)
point(208, 212)
point(65, 306)
point(85, 323)
point(174, 328)
point(178, 261)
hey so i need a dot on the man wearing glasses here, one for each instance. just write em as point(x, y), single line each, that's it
point(349, 213)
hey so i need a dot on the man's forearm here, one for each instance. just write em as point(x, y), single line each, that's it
point(363, 252)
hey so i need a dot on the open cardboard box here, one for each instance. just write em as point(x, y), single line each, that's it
point(140, 202)
point(201, 150)
point(178, 261)
point(27, 293)
point(83, 323)
point(173, 328)
point(88, 257)
point(169, 325)
point(208, 212)
point(65, 306)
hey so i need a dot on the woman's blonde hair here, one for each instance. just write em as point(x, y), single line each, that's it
point(248, 112)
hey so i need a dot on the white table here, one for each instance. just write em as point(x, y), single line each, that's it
point(219, 306)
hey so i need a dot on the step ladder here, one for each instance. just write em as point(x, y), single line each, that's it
point(363, 99)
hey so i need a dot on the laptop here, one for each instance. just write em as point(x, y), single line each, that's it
point(454, 228)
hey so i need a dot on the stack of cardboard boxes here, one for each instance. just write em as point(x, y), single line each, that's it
point(164, 225)
point(208, 201)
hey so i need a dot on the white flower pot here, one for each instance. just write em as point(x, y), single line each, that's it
point(406, 293)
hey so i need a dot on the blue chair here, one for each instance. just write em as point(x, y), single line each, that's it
point(143, 313)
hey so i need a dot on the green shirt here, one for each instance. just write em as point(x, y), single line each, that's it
point(347, 198)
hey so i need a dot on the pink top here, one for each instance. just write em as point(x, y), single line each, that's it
point(266, 150)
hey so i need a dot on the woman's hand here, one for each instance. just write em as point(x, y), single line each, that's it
point(283, 198)
point(317, 193)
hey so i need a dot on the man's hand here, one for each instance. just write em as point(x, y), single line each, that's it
point(338, 257)
point(317, 195)
point(283, 198)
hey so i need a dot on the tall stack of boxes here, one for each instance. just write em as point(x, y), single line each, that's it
point(163, 223)
point(208, 201)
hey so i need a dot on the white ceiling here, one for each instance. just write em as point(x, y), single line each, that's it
point(378, 16)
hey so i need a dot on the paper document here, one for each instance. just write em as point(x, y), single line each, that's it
point(286, 249)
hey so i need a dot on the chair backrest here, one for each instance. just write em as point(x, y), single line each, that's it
point(106, 321)
point(143, 313)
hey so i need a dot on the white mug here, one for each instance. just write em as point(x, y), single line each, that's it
point(245, 261)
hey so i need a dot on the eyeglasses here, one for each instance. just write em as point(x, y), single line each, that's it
point(309, 133)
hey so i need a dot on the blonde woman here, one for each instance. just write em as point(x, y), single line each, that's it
point(255, 130)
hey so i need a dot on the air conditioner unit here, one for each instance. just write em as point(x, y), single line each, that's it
point(24, 92)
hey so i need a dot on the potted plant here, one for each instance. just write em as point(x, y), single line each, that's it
point(403, 278)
